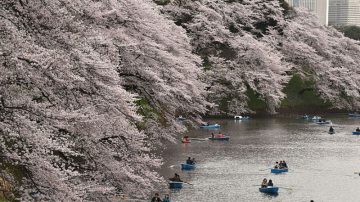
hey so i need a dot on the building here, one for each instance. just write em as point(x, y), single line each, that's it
point(319, 7)
point(344, 12)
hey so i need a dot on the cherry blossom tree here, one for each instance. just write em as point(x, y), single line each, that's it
point(74, 74)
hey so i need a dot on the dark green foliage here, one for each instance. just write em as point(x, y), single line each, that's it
point(146, 110)
point(162, 2)
point(302, 96)
point(255, 102)
point(353, 32)
point(233, 29)
point(206, 64)
point(183, 18)
point(218, 49)
point(287, 8)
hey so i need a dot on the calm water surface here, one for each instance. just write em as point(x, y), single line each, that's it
point(321, 166)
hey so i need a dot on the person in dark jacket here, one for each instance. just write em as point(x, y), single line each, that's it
point(156, 198)
point(189, 161)
point(270, 183)
point(176, 178)
point(284, 164)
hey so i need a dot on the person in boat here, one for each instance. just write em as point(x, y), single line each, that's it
point(189, 161)
point(284, 164)
point(270, 183)
point(357, 129)
point(264, 183)
point(166, 198)
point(212, 135)
point(281, 165)
point(331, 129)
point(193, 160)
point(176, 178)
point(156, 198)
point(276, 165)
point(186, 138)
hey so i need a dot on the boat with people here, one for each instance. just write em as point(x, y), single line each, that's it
point(210, 125)
point(189, 164)
point(186, 139)
point(241, 117)
point(175, 182)
point(268, 187)
point(280, 167)
point(331, 130)
point(357, 131)
point(323, 122)
point(219, 137)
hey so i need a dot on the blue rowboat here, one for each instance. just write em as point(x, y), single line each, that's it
point(185, 166)
point(175, 185)
point(356, 133)
point(269, 190)
point(279, 170)
point(219, 138)
point(210, 126)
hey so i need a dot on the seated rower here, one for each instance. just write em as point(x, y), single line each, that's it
point(276, 165)
point(357, 129)
point(189, 161)
point(166, 198)
point(284, 164)
point(281, 165)
point(176, 178)
point(193, 160)
point(270, 183)
point(264, 183)
point(156, 198)
point(186, 138)
point(331, 129)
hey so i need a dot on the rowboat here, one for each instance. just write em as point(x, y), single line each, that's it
point(279, 170)
point(175, 185)
point(210, 126)
point(185, 166)
point(356, 133)
point(331, 132)
point(269, 190)
point(219, 138)
point(323, 122)
point(241, 117)
point(185, 141)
